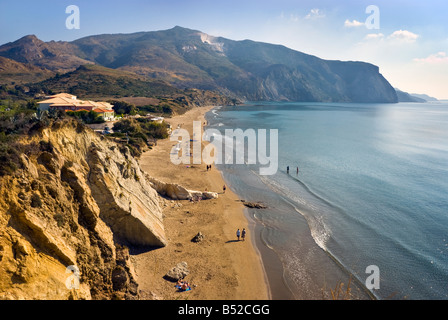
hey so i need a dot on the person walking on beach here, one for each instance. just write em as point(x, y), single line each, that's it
point(238, 234)
point(224, 190)
point(243, 234)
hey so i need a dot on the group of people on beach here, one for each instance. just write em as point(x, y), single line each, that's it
point(241, 233)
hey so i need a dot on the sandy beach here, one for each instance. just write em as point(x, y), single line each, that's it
point(221, 268)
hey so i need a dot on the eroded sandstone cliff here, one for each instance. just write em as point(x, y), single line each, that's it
point(78, 200)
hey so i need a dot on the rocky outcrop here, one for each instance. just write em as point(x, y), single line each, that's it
point(254, 205)
point(108, 176)
point(177, 192)
point(77, 202)
point(198, 237)
point(178, 272)
point(129, 205)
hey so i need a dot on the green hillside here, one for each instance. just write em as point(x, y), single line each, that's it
point(93, 81)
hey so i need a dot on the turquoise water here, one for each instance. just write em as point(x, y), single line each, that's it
point(371, 190)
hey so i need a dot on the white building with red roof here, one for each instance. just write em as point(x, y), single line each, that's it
point(68, 102)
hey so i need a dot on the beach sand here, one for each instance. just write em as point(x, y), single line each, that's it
point(221, 268)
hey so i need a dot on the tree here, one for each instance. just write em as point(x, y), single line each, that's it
point(88, 117)
point(121, 107)
point(32, 104)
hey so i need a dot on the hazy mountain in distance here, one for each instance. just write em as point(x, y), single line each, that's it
point(185, 58)
point(424, 96)
point(406, 97)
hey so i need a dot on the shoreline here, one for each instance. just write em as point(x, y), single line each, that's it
point(221, 268)
point(302, 270)
point(273, 267)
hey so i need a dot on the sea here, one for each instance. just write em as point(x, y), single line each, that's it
point(362, 212)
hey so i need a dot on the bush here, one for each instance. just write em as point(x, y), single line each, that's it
point(9, 159)
point(88, 117)
point(36, 202)
point(121, 107)
point(140, 132)
point(14, 126)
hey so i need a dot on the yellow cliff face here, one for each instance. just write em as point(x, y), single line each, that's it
point(73, 203)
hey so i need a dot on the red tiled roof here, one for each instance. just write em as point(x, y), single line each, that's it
point(102, 110)
point(77, 110)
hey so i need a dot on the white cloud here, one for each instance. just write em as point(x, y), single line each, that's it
point(398, 37)
point(403, 36)
point(374, 36)
point(354, 23)
point(315, 13)
point(439, 57)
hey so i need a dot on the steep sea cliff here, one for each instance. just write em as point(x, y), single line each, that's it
point(72, 208)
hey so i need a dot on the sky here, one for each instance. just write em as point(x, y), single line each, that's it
point(408, 40)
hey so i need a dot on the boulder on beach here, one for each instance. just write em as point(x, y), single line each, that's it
point(177, 192)
point(254, 205)
point(198, 238)
point(178, 272)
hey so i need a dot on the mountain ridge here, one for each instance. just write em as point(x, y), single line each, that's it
point(187, 58)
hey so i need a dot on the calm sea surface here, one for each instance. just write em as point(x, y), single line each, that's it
point(372, 190)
